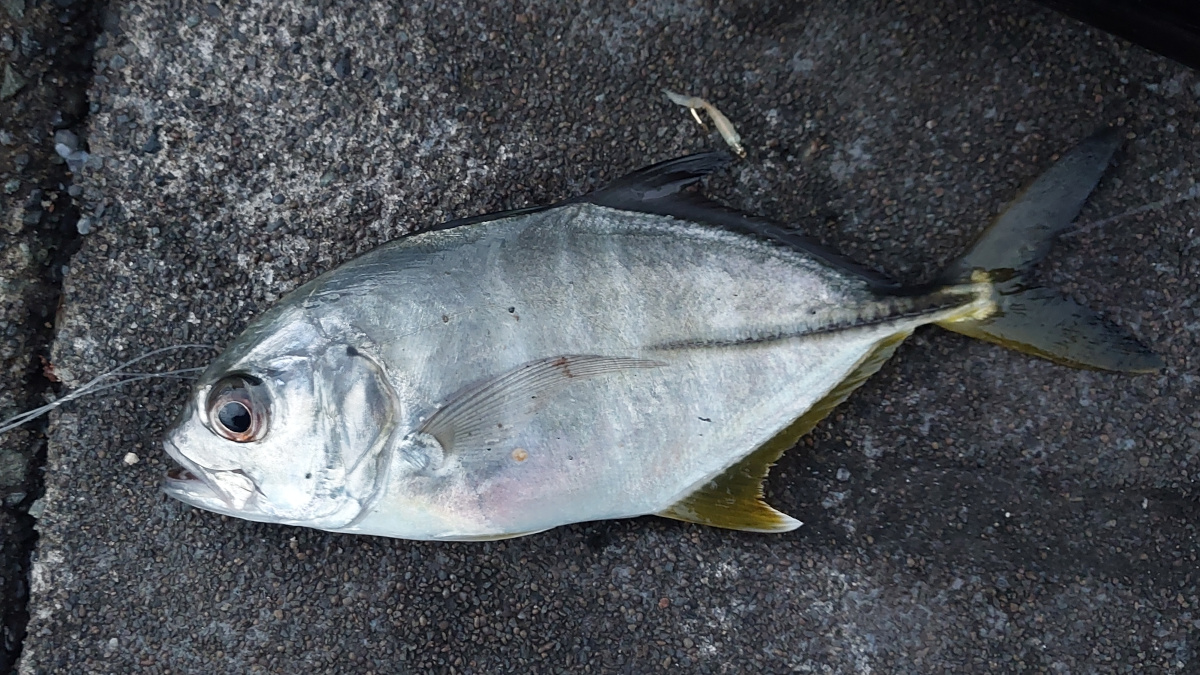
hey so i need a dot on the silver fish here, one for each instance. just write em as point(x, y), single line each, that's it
point(638, 350)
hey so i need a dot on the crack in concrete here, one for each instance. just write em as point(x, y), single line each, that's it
point(43, 110)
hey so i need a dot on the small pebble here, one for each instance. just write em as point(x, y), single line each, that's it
point(84, 226)
point(15, 8)
point(152, 145)
point(37, 508)
point(342, 66)
point(67, 138)
point(130, 459)
point(11, 84)
point(843, 474)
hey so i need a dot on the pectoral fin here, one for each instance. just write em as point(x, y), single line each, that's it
point(495, 409)
point(734, 499)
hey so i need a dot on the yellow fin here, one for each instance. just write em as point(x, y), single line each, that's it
point(1043, 323)
point(734, 499)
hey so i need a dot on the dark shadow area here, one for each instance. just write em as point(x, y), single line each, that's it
point(46, 49)
point(1169, 27)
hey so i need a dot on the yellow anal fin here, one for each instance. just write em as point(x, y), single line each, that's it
point(734, 499)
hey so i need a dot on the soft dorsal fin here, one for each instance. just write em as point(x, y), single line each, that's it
point(648, 190)
point(654, 188)
point(734, 499)
point(660, 189)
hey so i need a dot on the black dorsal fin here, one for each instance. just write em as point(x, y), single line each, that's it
point(660, 189)
point(647, 190)
point(656, 188)
point(486, 217)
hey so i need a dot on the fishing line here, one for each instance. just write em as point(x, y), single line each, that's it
point(102, 382)
point(1192, 193)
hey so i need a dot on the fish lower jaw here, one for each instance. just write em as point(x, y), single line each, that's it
point(189, 488)
point(182, 484)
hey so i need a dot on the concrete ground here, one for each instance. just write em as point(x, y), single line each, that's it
point(969, 510)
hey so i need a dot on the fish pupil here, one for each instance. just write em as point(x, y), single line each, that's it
point(235, 417)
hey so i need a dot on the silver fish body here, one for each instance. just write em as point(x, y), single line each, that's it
point(502, 377)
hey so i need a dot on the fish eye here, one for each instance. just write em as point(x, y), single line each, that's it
point(235, 413)
point(235, 417)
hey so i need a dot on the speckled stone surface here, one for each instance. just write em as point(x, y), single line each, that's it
point(969, 510)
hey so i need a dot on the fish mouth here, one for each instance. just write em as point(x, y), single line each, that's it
point(181, 481)
point(229, 493)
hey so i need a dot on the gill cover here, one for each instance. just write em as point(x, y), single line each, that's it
point(359, 410)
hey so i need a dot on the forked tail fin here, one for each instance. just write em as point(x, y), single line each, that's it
point(1037, 320)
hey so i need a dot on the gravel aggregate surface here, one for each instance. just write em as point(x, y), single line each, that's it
point(969, 510)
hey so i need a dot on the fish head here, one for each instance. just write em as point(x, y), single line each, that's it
point(287, 426)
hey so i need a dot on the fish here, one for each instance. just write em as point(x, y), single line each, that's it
point(720, 121)
point(637, 350)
